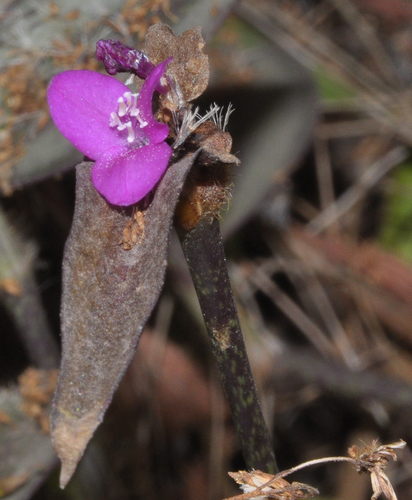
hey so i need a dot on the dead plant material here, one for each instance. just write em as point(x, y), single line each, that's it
point(385, 280)
point(133, 233)
point(279, 488)
point(372, 459)
point(36, 388)
point(138, 15)
point(366, 459)
point(5, 419)
point(10, 484)
point(189, 70)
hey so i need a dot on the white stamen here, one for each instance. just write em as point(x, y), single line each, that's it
point(213, 111)
point(128, 109)
point(114, 120)
point(185, 127)
point(192, 119)
point(130, 80)
point(122, 107)
point(142, 123)
point(134, 111)
point(130, 132)
point(229, 111)
point(128, 97)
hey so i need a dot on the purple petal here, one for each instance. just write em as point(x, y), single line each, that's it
point(155, 131)
point(124, 179)
point(81, 102)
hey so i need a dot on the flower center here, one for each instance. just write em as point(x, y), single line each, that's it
point(128, 118)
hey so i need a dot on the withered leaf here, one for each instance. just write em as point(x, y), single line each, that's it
point(108, 295)
point(189, 69)
point(279, 488)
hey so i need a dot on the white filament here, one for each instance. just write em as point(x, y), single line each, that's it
point(130, 132)
point(122, 106)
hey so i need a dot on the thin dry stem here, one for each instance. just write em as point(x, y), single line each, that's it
point(259, 489)
point(315, 334)
point(369, 178)
point(366, 33)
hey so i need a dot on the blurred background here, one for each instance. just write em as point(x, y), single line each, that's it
point(318, 238)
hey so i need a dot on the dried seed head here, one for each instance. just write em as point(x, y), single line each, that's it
point(368, 457)
point(372, 459)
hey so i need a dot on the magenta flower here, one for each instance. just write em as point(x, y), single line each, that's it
point(117, 129)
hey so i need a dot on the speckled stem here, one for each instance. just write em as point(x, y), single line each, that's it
point(203, 249)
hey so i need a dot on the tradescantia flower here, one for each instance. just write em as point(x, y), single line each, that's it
point(117, 129)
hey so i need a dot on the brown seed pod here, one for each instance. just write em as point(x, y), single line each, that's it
point(215, 143)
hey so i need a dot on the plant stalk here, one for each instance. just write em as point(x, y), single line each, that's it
point(203, 249)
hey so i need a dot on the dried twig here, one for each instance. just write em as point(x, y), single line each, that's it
point(369, 178)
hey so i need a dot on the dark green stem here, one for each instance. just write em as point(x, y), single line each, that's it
point(203, 249)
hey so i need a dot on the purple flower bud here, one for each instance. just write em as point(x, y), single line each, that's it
point(119, 58)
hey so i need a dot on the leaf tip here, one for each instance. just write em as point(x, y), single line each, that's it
point(70, 437)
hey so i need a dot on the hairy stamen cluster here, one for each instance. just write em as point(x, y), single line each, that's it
point(191, 119)
point(219, 118)
point(127, 118)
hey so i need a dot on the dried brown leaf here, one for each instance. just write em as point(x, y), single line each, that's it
point(189, 69)
point(381, 484)
point(279, 488)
